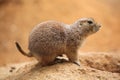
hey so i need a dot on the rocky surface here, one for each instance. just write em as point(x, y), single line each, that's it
point(94, 66)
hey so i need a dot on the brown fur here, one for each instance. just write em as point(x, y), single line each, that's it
point(51, 39)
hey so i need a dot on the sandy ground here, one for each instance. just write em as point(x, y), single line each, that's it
point(94, 66)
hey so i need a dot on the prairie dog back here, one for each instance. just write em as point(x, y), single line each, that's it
point(47, 38)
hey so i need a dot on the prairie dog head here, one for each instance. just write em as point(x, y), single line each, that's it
point(88, 25)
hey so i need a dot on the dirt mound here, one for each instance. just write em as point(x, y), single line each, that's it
point(103, 61)
point(92, 68)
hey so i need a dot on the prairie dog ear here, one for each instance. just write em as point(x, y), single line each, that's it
point(80, 25)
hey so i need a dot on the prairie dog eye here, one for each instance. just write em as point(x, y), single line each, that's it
point(90, 22)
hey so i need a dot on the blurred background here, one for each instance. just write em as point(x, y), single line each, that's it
point(18, 17)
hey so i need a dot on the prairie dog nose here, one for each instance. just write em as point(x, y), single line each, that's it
point(99, 25)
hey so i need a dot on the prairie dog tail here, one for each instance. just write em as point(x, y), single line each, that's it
point(21, 50)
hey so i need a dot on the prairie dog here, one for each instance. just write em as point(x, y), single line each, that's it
point(51, 38)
